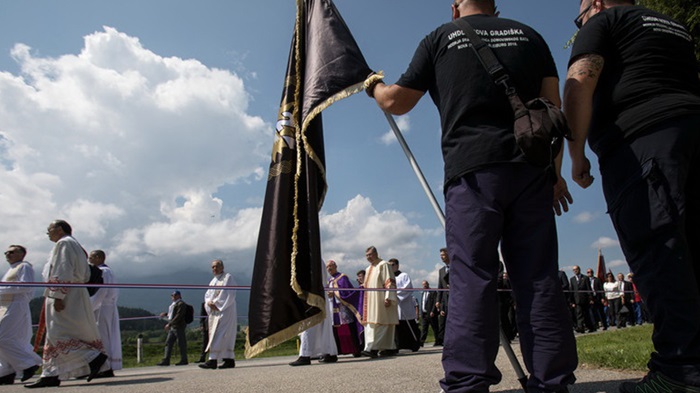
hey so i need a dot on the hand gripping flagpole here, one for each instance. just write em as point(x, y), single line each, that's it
point(441, 216)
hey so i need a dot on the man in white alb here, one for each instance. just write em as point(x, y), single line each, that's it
point(220, 305)
point(104, 304)
point(73, 346)
point(380, 308)
point(16, 354)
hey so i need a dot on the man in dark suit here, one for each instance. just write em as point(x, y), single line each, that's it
point(597, 309)
point(428, 313)
point(443, 296)
point(627, 300)
point(176, 330)
point(580, 300)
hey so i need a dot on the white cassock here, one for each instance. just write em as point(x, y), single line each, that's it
point(16, 352)
point(72, 339)
point(319, 340)
point(407, 306)
point(223, 322)
point(104, 304)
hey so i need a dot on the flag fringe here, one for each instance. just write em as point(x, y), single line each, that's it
point(281, 336)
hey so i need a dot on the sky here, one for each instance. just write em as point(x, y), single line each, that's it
point(148, 125)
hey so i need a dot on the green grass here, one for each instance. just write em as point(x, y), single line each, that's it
point(623, 349)
point(153, 349)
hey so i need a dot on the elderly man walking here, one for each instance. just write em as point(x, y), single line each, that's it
point(16, 354)
point(220, 305)
point(73, 346)
point(104, 304)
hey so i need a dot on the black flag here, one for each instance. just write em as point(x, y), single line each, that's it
point(325, 65)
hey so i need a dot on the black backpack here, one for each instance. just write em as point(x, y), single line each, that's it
point(95, 278)
point(189, 313)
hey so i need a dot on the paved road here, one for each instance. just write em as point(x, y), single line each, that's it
point(405, 373)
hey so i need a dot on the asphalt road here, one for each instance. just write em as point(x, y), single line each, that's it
point(407, 372)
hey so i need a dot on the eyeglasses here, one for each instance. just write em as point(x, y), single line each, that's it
point(10, 252)
point(579, 19)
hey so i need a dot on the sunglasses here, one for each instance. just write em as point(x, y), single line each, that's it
point(579, 19)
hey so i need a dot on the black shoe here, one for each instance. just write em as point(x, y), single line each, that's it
point(328, 359)
point(658, 383)
point(388, 352)
point(95, 365)
point(163, 363)
point(8, 379)
point(44, 382)
point(357, 354)
point(29, 372)
point(182, 363)
point(202, 359)
point(105, 374)
point(209, 365)
point(370, 354)
point(302, 361)
point(228, 363)
point(437, 344)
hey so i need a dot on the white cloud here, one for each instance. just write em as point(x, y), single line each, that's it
point(346, 234)
point(619, 263)
point(404, 124)
point(584, 217)
point(605, 242)
point(129, 147)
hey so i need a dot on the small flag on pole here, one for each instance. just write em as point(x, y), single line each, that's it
point(325, 65)
point(600, 270)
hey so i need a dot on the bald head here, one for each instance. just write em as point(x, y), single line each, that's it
point(462, 8)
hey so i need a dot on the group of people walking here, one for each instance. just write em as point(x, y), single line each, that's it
point(81, 332)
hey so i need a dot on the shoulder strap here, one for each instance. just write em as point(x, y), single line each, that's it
point(486, 56)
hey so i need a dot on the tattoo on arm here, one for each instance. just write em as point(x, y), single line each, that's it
point(588, 66)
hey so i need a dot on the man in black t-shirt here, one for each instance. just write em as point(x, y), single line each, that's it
point(633, 91)
point(493, 195)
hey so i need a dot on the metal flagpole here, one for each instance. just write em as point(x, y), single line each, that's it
point(441, 216)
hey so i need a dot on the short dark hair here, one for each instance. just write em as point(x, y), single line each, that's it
point(363, 272)
point(444, 249)
point(372, 249)
point(99, 253)
point(394, 261)
point(20, 248)
point(64, 226)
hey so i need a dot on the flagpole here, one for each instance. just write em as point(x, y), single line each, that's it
point(522, 378)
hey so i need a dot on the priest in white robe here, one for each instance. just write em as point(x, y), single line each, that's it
point(220, 305)
point(380, 308)
point(318, 341)
point(16, 352)
point(104, 305)
point(73, 346)
point(407, 331)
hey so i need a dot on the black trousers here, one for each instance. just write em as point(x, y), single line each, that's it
point(652, 188)
point(426, 322)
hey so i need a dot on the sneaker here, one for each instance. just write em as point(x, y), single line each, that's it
point(655, 382)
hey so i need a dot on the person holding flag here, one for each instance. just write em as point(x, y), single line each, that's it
point(493, 195)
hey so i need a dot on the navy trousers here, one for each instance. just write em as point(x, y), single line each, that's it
point(510, 204)
point(652, 188)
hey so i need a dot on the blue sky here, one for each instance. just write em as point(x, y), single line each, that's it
point(149, 125)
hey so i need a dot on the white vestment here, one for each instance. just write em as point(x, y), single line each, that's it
point(379, 320)
point(407, 305)
point(223, 322)
point(319, 340)
point(72, 339)
point(104, 304)
point(16, 352)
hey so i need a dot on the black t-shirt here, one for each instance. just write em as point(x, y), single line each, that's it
point(649, 74)
point(476, 118)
